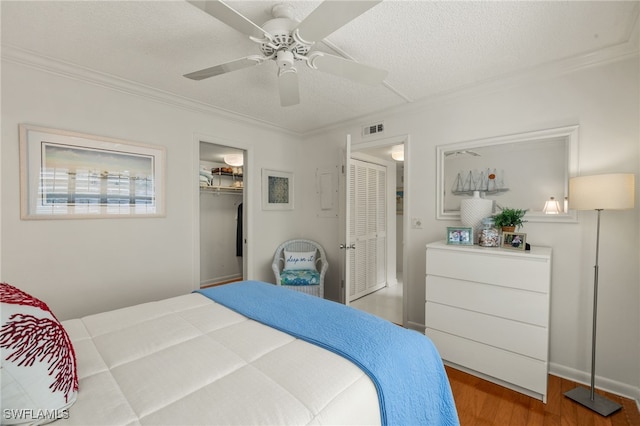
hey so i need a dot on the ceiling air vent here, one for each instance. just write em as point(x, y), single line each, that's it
point(373, 129)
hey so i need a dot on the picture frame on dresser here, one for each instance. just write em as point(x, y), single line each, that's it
point(460, 235)
point(514, 240)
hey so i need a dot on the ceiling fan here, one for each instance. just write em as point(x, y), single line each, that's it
point(462, 152)
point(288, 42)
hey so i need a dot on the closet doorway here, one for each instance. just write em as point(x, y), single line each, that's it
point(222, 224)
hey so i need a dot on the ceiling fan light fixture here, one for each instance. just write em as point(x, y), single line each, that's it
point(234, 160)
point(284, 59)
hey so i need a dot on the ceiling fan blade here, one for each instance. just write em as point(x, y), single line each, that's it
point(288, 87)
point(330, 16)
point(346, 68)
point(224, 68)
point(227, 15)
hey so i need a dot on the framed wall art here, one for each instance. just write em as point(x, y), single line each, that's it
point(277, 190)
point(514, 240)
point(70, 175)
point(460, 235)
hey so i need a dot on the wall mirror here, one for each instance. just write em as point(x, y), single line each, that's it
point(517, 171)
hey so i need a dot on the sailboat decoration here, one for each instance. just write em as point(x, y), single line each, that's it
point(487, 181)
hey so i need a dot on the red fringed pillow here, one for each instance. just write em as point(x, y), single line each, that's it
point(39, 375)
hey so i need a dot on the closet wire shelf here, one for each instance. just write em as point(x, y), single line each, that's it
point(222, 189)
point(236, 186)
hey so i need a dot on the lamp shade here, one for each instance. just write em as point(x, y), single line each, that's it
point(551, 207)
point(610, 191)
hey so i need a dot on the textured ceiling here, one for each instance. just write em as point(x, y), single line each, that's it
point(429, 48)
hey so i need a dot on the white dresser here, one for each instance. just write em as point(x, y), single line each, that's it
point(487, 311)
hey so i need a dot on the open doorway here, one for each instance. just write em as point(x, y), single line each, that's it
point(389, 301)
point(221, 214)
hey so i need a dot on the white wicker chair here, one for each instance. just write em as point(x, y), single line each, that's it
point(301, 246)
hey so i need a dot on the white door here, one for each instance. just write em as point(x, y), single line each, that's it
point(348, 246)
point(367, 227)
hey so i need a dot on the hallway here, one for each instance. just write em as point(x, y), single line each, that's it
point(385, 303)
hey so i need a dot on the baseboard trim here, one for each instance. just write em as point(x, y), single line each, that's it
point(603, 383)
point(415, 326)
point(221, 280)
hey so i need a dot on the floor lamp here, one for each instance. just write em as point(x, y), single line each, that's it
point(599, 192)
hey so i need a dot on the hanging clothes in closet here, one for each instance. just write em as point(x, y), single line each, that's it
point(239, 231)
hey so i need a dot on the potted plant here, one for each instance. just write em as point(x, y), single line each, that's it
point(509, 219)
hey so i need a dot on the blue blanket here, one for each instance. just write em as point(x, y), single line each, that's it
point(405, 367)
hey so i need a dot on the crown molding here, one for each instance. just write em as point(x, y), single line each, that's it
point(619, 52)
point(625, 50)
point(86, 75)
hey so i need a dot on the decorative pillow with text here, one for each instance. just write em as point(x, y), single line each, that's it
point(39, 371)
point(295, 261)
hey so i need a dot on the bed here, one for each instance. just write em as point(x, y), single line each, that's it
point(246, 353)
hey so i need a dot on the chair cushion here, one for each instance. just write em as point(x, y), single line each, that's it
point(294, 260)
point(300, 277)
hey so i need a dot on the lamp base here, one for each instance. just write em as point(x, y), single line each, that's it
point(599, 404)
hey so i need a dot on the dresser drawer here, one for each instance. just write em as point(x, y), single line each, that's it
point(525, 339)
point(487, 311)
point(517, 271)
point(524, 372)
point(520, 305)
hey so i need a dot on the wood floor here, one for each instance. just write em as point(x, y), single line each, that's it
point(482, 403)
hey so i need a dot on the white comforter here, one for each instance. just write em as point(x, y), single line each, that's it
point(188, 360)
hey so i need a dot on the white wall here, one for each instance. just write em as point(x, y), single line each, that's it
point(604, 102)
point(86, 266)
point(218, 229)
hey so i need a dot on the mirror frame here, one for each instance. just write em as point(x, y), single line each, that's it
point(569, 134)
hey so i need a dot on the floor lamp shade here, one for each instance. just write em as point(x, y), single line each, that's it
point(602, 192)
point(599, 192)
